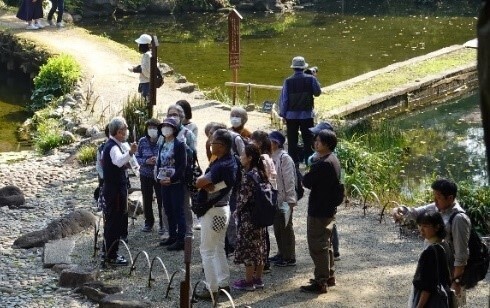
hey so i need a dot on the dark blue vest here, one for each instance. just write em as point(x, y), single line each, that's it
point(300, 93)
point(114, 176)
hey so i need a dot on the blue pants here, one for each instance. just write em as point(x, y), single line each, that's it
point(173, 203)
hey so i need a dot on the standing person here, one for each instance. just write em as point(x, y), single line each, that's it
point(262, 141)
point(323, 180)
point(60, 6)
point(31, 11)
point(286, 193)
point(191, 126)
point(170, 168)
point(185, 135)
point(99, 163)
point(144, 68)
point(147, 158)
point(215, 222)
point(432, 267)
point(296, 107)
point(115, 189)
point(251, 245)
point(315, 130)
point(458, 232)
point(238, 119)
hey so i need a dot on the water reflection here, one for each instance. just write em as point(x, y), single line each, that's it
point(447, 141)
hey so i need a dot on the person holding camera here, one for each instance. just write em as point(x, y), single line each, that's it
point(144, 69)
point(458, 231)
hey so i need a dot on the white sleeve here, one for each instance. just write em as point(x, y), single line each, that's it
point(118, 158)
point(240, 145)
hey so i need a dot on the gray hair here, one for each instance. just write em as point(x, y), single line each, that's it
point(116, 124)
point(179, 109)
point(240, 112)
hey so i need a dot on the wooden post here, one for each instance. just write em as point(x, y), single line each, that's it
point(234, 46)
point(152, 101)
point(185, 286)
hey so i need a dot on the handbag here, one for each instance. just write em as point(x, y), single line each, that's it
point(201, 202)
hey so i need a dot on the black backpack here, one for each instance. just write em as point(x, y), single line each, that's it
point(264, 205)
point(477, 266)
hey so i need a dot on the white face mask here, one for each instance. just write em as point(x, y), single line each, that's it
point(167, 131)
point(235, 121)
point(153, 133)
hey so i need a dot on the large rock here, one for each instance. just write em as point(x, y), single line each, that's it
point(58, 252)
point(71, 224)
point(76, 277)
point(97, 290)
point(11, 196)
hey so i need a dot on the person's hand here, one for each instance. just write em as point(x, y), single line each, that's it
point(131, 70)
point(398, 213)
point(134, 148)
point(209, 187)
point(165, 181)
point(151, 161)
point(457, 288)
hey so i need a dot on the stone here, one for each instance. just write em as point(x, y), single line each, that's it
point(58, 252)
point(76, 277)
point(93, 131)
point(181, 79)
point(71, 224)
point(68, 137)
point(187, 88)
point(58, 268)
point(82, 129)
point(121, 301)
point(250, 107)
point(166, 69)
point(11, 195)
point(91, 293)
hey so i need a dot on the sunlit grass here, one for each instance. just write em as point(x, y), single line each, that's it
point(394, 79)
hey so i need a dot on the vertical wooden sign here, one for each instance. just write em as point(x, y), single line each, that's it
point(153, 75)
point(234, 46)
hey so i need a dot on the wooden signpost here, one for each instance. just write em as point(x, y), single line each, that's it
point(234, 46)
point(152, 101)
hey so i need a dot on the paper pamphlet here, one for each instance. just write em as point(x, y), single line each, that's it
point(286, 210)
point(219, 186)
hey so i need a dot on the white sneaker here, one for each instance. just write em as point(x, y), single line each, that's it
point(38, 25)
point(32, 27)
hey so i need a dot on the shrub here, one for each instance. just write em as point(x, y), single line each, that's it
point(56, 78)
point(48, 135)
point(476, 202)
point(135, 112)
point(87, 154)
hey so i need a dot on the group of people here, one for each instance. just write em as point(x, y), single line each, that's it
point(239, 160)
point(31, 11)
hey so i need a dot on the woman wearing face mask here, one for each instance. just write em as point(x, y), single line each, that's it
point(170, 166)
point(147, 157)
point(238, 119)
point(143, 69)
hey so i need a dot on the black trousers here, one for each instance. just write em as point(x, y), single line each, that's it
point(115, 221)
point(148, 186)
point(292, 127)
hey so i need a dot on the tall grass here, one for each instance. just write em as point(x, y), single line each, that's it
point(135, 112)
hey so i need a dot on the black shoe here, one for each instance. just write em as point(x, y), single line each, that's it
point(284, 263)
point(119, 261)
point(314, 288)
point(168, 241)
point(146, 228)
point(267, 268)
point(178, 245)
point(275, 258)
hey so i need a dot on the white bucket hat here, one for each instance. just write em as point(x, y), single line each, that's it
point(143, 39)
point(299, 62)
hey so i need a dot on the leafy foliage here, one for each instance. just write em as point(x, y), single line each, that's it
point(87, 154)
point(476, 202)
point(48, 135)
point(135, 112)
point(56, 78)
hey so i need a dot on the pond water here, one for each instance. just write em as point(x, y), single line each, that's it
point(447, 141)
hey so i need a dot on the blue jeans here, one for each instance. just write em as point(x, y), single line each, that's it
point(173, 203)
point(57, 4)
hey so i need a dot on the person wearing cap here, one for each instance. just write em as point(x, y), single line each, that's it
point(296, 107)
point(170, 168)
point(286, 193)
point(115, 189)
point(144, 68)
point(147, 157)
point(322, 180)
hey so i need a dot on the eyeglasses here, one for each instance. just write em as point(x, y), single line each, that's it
point(216, 143)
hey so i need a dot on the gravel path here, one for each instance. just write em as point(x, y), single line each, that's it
point(375, 271)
